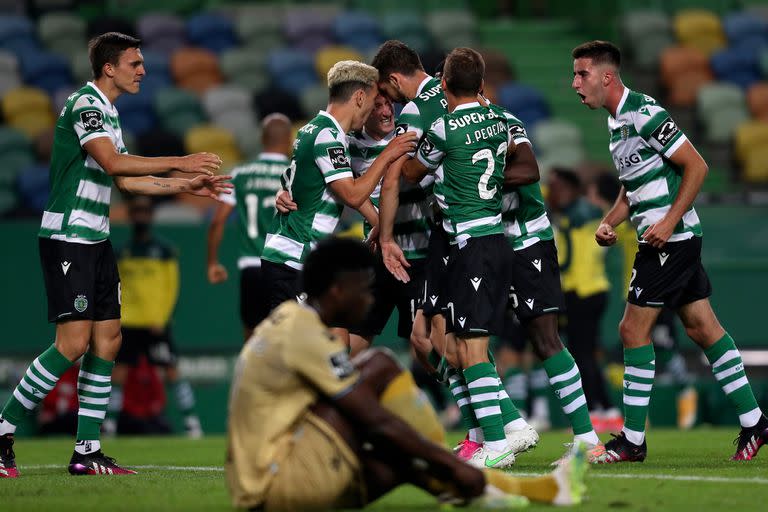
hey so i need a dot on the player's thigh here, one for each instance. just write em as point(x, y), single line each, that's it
point(636, 324)
point(701, 323)
point(321, 471)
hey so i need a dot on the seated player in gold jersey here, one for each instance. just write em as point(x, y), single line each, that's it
point(311, 429)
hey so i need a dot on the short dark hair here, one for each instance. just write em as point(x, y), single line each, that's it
point(332, 258)
point(107, 48)
point(607, 186)
point(396, 57)
point(464, 71)
point(601, 52)
point(567, 176)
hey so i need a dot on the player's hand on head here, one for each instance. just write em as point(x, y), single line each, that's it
point(657, 234)
point(605, 236)
point(210, 186)
point(200, 163)
point(395, 261)
point(217, 273)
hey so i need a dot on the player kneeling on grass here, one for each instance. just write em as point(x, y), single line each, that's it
point(310, 429)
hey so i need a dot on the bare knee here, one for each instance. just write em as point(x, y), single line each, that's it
point(378, 367)
point(420, 344)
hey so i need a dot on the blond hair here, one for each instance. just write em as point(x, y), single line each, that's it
point(352, 71)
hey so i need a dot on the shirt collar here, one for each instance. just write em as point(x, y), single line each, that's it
point(329, 116)
point(272, 156)
point(423, 84)
point(621, 103)
point(465, 106)
point(101, 94)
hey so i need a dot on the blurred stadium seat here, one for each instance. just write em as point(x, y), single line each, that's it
point(195, 69)
point(162, 33)
point(213, 139)
point(28, 109)
point(358, 30)
point(292, 70)
point(757, 101)
point(178, 110)
point(526, 102)
point(212, 31)
point(701, 29)
point(330, 55)
point(683, 71)
point(721, 108)
point(646, 33)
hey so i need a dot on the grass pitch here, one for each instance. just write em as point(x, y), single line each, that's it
point(685, 471)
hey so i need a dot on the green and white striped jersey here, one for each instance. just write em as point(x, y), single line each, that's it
point(411, 229)
point(256, 184)
point(523, 212)
point(643, 138)
point(320, 157)
point(78, 207)
point(419, 114)
point(471, 144)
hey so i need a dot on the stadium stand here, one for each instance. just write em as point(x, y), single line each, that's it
point(276, 55)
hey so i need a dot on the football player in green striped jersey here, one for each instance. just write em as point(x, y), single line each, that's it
point(79, 267)
point(320, 181)
point(661, 173)
point(255, 185)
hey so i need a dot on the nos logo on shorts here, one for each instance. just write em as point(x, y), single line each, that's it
point(81, 303)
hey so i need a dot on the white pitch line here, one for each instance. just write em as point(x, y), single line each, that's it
point(150, 466)
point(592, 474)
point(680, 478)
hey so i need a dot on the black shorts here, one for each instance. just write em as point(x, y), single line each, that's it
point(81, 280)
point(388, 294)
point(157, 347)
point(281, 283)
point(438, 253)
point(671, 277)
point(253, 297)
point(535, 278)
point(477, 286)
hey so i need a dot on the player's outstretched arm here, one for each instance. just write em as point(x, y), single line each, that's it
point(217, 273)
point(605, 234)
point(114, 163)
point(391, 253)
point(201, 185)
point(355, 191)
point(521, 166)
point(694, 171)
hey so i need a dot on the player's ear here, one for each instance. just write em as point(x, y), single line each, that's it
point(108, 70)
